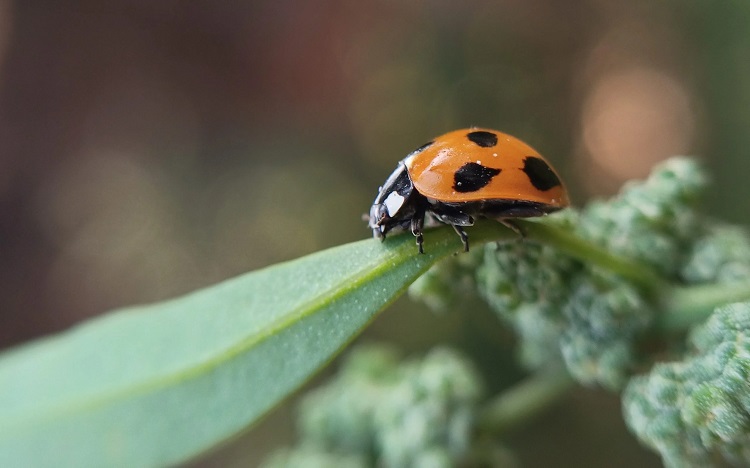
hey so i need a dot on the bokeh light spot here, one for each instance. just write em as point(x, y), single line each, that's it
point(633, 118)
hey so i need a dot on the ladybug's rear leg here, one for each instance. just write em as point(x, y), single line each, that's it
point(513, 226)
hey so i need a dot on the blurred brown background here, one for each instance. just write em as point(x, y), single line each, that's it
point(150, 148)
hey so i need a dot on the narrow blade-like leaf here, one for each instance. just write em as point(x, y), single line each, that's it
point(158, 384)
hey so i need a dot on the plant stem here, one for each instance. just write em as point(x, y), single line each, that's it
point(591, 253)
point(686, 306)
point(525, 400)
point(581, 249)
point(682, 306)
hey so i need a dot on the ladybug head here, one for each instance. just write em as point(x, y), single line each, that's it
point(394, 206)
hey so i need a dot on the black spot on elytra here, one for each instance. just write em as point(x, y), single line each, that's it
point(482, 138)
point(422, 148)
point(472, 176)
point(541, 176)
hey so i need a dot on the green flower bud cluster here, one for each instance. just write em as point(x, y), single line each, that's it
point(692, 410)
point(721, 256)
point(525, 283)
point(380, 412)
point(564, 309)
point(604, 316)
point(310, 456)
point(654, 221)
point(450, 283)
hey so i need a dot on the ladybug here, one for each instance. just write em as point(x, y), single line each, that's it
point(464, 175)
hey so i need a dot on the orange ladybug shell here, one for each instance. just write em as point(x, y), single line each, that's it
point(476, 164)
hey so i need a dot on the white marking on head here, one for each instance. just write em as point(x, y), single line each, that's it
point(393, 202)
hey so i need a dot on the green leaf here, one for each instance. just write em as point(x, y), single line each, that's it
point(158, 384)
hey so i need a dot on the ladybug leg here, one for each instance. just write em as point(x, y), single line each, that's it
point(457, 219)
point(462, 234)
point(510, 224)
point(417, 223)
point(432, 219)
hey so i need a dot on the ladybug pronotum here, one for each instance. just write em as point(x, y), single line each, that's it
point(464, 175)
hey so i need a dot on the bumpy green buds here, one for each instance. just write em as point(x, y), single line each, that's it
point(565, 309)
point(314, 457)
point(417, 413)
point(426, 418)
point(653, 221)
point(525, 283)
point(450, 283)
point(604, 316)
point(721, 256)
point(693, 409)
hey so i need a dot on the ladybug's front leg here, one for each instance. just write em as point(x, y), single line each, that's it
point(417, 223)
